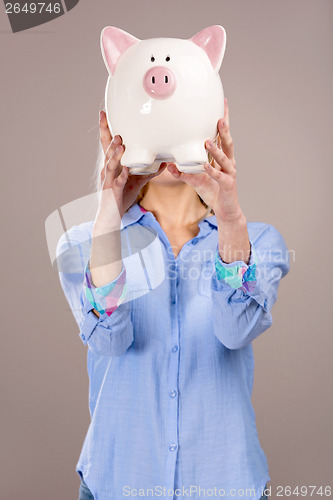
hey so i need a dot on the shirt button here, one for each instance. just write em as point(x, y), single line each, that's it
point(194, 241)
point(175, 348)
point(83, 336)
point(172, 394)
point(173, 447)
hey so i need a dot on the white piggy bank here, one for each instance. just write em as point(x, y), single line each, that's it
point(164, 96)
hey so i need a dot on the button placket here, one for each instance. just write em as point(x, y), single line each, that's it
point(172, 375)
point(173, 369)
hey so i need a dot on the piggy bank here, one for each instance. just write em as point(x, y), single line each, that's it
point(164, 96)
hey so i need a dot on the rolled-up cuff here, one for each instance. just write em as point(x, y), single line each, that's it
point(105, 299)
point(237, 274)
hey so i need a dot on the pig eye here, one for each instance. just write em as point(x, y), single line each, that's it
point(152, 58)
point(167, 58)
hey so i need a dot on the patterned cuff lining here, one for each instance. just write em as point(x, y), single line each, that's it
point(237, 274)
point(108, 297)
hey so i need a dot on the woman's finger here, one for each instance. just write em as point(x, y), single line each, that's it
point(224, 132)
point(116, 141)
point(225, 138)
point(123, 176)
point(214, 173)
point(109, 143)
point(112, 167)
point(194, 180)
point(104, 131)
point(226, 111)
point(219, 143)
point(140, 180)
point(113, 163)
point(224, 162)
point(162, 166)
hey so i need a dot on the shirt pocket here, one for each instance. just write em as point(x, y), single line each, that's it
point(205, 278)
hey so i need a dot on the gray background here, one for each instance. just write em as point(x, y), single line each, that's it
point(277, 76)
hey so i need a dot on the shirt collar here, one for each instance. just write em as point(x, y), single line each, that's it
point(134, 214)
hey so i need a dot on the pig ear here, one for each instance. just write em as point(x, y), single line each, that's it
point(212, 40)
point(114, 42)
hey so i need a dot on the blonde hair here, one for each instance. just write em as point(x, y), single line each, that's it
point(96, 179)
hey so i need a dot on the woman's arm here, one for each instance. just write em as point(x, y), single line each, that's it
point(107, 335)
point(244, 294)
point(243, 289)
point(93, 276)
point(119, 191)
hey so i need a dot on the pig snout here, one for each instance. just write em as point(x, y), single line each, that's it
point(159, 82)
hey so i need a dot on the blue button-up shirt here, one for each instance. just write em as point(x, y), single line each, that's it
point(171, 369)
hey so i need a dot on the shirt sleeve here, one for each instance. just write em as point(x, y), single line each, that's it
point(244, 294)
point(109, 334)
point(107, 298)
point(237, 274)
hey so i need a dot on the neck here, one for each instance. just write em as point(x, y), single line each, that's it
point(174, 205)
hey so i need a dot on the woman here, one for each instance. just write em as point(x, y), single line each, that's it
point(170, 333)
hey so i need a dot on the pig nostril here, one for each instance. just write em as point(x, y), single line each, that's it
point(159, 82)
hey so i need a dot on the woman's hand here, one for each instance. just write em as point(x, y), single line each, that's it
point(217, 186)
point(119, 191)
point(118, 185)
